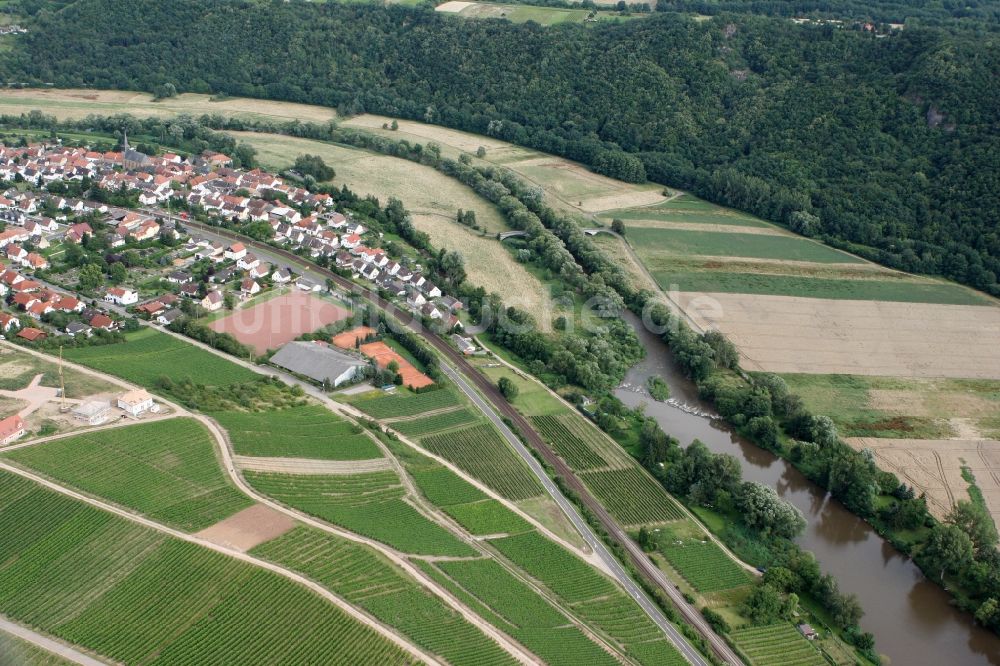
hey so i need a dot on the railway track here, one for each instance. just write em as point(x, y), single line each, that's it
point(650, 572)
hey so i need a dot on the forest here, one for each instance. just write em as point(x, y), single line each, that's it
point(884, 145)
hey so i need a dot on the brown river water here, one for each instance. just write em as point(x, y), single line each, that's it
point(911, 617)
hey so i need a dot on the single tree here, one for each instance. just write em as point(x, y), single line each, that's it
point(508, 388)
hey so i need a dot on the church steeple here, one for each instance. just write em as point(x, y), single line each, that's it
point(125, 145)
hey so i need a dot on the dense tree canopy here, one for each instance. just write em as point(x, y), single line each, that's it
point(887, 143)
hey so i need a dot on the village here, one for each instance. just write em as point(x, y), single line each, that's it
point(80, 269)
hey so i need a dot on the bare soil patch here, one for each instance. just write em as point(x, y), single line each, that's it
point(248, 528)
point(935, 467)
point(274, 322)
point(803, 335)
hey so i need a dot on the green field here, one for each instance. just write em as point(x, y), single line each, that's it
point(14, 650)
point(18, 368)
point(686, 208)
point(404, 403)
point(148, 355)
point(777, 645)
point(575, 443)
point(367, 580)
point(632, 496)
point(436, 423)
point(816, 287)
point(369, 504)
point(481, 452)
point(167, 470)
point(140, 597)
point(703, 564)
point(541, 15)
point(308, 431)
point(536, 623)
point(760, 246)
point(564, 573)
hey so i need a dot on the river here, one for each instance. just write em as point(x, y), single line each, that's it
point(911, 617)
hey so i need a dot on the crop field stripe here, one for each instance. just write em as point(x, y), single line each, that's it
point(487, 517)
point(148, 355)
point(699, 243)
point(365, 579)
point(705, 566)
point(407, 405)
point(632, 496)
point(369, 504)
point(177, 603)
point(442, 487)
point(481, 452)
point(307, 431)
point(901, 291)
point(167, 470)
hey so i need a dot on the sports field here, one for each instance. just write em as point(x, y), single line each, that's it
point(272, 323)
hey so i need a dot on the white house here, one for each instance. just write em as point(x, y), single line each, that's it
point(121, 296)
point(213, 301)
point(11, 428)
point(236, 251)
point(136, 402)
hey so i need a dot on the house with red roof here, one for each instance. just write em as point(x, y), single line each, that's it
point(11, 429)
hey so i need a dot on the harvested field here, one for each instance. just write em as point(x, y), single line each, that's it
point(706, 227)
point(383, 355)
point(453, 6)
point(70, 103)
point(248, 528)
point(744, 243)
point(801, 335)
point(274, 322)
point(421, 188)
point(309, 466)
point(935, 467)
point(488, 264)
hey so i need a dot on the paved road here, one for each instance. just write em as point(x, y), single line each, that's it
point(55, 647)
point(468, 374)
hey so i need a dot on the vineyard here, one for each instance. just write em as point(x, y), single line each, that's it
point(534, 621)
point(436, 423)
point(130, 593)
point(307, 431)
point(148, 355)
point(487, 517)
point(167, 470)
point(704, 565)
point(591, 596)
point(777, 645)
point(632, 496)
point(441, 486)
point(369, 504)
point(565, 574)
point(365, 579)
point(575, 443)
point(481, 452)
point(405, 403)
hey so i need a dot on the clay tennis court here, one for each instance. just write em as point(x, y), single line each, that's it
point(270, 324)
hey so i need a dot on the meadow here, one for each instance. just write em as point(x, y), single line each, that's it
point(167, 470)
point(632, 496)
point(18, 368)
point(776, 645)
point(524, 13)
point(14, 650)
point(686, 242)
point(365, 579)
point(307, 431)
point(147, 355)
point(369, 504)
point(481, 452)
point(686, 208)
point(904, 291)
point(137, 596)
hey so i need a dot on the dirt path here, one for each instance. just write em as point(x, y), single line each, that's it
point(67, 652)
point(365, 619)
point(310, 466)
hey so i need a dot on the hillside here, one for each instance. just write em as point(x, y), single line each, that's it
point(880, 142)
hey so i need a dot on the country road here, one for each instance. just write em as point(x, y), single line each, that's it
point(490, 397)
